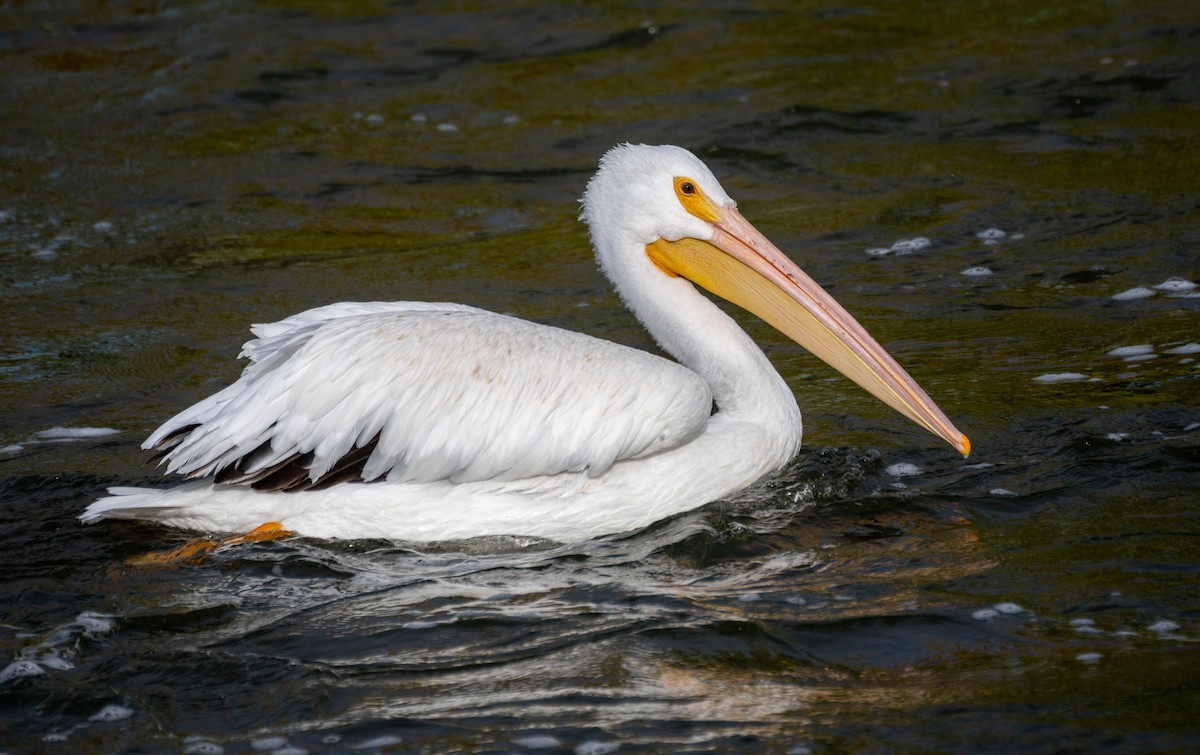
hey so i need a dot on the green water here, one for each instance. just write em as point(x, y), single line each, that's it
point(169, 175)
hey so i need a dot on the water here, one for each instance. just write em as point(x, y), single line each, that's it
point(170, 175)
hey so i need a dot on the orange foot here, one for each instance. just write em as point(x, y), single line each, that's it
point(195, 551)
point(261, 533)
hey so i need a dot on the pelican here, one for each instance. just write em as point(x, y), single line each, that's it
point(421, 421)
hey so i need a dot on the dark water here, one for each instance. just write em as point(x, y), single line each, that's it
point(169, 175)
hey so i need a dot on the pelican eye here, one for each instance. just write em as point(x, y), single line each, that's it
point(693, 199)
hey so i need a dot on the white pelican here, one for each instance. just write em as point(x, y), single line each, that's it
point(421, 422)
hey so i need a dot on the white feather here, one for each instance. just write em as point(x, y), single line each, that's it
point(488, 424)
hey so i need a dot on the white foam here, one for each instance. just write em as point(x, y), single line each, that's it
point(596, 748)
point(14, 448)
point(1116, 436)
point(447, 127)
point(902, 247)
point(977, 272)
point(1176, 284)
point(1128, 351)
point(1060, 377)
point(95, 623)
point(1089, 657)
point(203, 747)
point(54, 661)
point(103, 227)
point(983, 614)
point(112, 712)
point(269, 743)
point(538, 742)
point(1141, 292)
point(19, 670)
point(1187, 348)
point(75, 433)
point(903, 469)
point(991, 234)
point(1002, 492)
point(1008, 608)
point(1163, 626)
point(384, 740)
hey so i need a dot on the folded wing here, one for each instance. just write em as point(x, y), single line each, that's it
point(419, 392)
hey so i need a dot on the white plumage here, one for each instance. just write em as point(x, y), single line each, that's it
point(422, 421)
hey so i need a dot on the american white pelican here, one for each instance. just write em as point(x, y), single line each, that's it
point(422, 422)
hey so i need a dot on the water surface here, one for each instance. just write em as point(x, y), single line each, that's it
point(985, 185)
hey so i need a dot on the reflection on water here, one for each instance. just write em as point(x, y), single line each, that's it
point(1003, 194)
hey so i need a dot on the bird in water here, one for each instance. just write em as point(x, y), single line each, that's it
point(424, 421)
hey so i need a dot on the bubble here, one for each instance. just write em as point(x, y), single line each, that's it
point(1002, 492)
point(384, 740)
point(596, 748)
point(1089, 657)
point(538, 742)
point(903, 469)
point(1176, 284)
point(269, 743)
point(95, 623)
point(977, 272)
point(203, 747)
point(1141, 292)
point(991, 234)
point(1130, 351)
point(375, 119)
point(905, 246)
point(902, 247)
point(20, 669)
point(56, 662)
point(1163, 626)
point(1009, 608)
point(1187, 348)
point(447, 127)
point(75, 433)
point(983, 614)
point(112, 712)
point(1060, 377)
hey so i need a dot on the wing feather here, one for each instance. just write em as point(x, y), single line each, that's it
point(418, 392)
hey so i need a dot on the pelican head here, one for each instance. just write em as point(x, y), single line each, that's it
point(659, 211)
